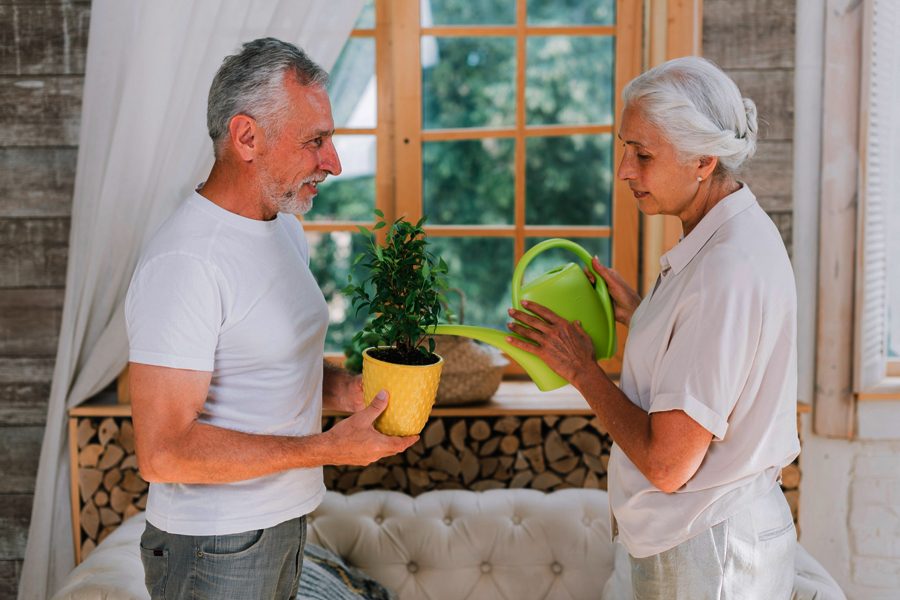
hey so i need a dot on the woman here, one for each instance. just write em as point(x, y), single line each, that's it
point(706, 414)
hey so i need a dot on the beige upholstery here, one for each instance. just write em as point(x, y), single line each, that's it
point(452, 544)
point(444, 545)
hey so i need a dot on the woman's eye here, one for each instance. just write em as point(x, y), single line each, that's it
point(644, 156)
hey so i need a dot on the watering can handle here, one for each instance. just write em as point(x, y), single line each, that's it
point(586, 258)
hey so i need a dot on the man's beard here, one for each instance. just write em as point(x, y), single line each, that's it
point(285, 200)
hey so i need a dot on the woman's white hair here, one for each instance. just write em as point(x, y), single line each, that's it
point(699, 109)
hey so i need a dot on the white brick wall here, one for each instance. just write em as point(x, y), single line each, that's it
point(850, 505)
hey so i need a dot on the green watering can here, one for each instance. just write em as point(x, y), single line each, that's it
point(566, 291)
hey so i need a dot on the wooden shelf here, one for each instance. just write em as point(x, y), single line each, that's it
point(513, 398)
point(518, 398)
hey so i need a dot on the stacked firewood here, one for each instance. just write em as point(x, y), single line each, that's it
point(545, 453)
point(540, 452)
point(109, 486)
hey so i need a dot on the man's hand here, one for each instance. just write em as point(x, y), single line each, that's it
point(355, 441)
point(342, 391)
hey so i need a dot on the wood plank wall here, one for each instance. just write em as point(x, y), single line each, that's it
point(42, 53)
point(753, 41)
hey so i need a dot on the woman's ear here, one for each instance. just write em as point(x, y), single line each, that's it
point(706, 165)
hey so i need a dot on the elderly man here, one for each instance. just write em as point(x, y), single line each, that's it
point(226, 328)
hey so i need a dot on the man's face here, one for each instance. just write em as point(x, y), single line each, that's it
point(295, 162)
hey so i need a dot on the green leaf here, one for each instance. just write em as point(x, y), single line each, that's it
point(379, 213)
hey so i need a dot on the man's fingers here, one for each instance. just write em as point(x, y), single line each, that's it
point(377, 406)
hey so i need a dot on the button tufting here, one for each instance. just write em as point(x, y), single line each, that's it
point(517, 520)
point(379, 519)
point(448, 520)
point(485, 567)
point(412, 567)
point(557, 568)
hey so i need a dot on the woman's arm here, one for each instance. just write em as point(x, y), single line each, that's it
point(667, 447)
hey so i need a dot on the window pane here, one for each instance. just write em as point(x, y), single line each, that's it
point(569, 80)
point(571, 12)
point(468, 12)
point(366, 18)
point(568, 180)
point(351, 85)
point(555, 257)
point(350, 195)
point(331, 255)
point(468, 182)
point(482, 268)
point(468, 82)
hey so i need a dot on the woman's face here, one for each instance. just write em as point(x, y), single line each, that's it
point(661, 184)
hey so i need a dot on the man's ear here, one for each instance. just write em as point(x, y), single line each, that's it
point(246, 137)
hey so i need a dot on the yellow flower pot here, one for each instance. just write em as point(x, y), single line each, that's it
point(412, 391)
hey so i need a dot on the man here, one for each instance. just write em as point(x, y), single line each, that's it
point(226, 329)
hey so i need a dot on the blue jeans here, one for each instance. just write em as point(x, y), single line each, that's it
point(263, 564)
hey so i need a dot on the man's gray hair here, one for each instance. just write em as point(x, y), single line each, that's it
point(251, 83)
point(699, 110)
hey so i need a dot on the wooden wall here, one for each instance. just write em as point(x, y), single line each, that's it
point(753, 41)
point(42, 54)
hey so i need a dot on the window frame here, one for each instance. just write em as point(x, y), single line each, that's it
point(398, 175)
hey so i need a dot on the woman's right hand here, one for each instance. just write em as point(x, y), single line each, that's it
point(625, 300)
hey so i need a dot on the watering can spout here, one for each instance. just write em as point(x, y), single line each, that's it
point(542, 375)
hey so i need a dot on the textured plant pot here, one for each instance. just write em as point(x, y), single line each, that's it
point(412, 391)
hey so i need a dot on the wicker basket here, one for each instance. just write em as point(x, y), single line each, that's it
point(472, 371)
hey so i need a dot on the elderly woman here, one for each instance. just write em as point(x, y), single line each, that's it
point(705, 417)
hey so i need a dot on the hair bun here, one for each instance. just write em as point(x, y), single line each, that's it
point(752, 126)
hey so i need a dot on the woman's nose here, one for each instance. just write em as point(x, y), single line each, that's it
point(625, 170)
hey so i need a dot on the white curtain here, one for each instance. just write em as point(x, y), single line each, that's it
point(143, 147)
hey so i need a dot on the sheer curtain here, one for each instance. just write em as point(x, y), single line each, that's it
point(143, 147)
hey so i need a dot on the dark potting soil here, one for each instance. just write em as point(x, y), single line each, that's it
point(392, 355)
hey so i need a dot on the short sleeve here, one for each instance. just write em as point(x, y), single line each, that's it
point(713, 345)
point(173, 313)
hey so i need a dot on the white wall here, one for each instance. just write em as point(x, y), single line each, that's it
point(850, 503)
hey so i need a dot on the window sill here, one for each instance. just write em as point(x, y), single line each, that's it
point(888, 389)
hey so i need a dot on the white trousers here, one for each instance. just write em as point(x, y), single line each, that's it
point(748, 557)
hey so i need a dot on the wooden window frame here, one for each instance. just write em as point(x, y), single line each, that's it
point(397, 36)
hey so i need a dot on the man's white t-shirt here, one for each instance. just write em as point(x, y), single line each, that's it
point(716, 339)
point(215, 291)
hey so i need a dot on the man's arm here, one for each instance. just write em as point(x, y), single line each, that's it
point(172, 446)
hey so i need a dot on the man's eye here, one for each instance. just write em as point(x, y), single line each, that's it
point(644, 156)
point(317, 142)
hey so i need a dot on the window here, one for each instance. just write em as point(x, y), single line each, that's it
point(496, 121)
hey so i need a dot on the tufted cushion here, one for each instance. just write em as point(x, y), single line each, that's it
point(458, 544)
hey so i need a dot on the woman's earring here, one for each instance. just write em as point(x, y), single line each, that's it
point(699, 179)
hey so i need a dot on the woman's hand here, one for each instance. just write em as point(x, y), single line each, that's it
point(625, 300)
point(564, 346)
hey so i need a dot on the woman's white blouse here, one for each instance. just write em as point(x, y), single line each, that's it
point(716, 339)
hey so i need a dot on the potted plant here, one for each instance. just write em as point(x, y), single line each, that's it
point(401, 291)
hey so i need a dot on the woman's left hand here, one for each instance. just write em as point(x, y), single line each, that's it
point(565, 347)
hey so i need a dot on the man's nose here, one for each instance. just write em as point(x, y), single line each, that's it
point(328, 159)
